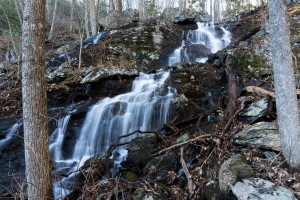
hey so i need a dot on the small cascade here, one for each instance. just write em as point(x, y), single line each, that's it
point(9, 136)
point(145, 108)
point(199, 43)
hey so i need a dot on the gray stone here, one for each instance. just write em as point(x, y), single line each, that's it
point(63, 49)
point(117, 20)
point(256, 189)
point(98, 73)
point(197, 50)
point(232, 170)
point(260, 135)
point(255, 110)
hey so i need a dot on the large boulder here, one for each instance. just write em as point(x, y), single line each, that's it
point(256, 188)
point(197, 50)
point(256, 110)
point(95, 74)
point(260, 135)
point(232, 170)
point(190, 16)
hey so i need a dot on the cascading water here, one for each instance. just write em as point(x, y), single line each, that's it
point(9, 136)
point(145, 108)
point(204, 40)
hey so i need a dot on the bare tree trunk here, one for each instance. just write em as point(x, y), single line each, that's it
point(180, 5)
point(37, 157)
point(184, 5)
point(53, 20)
point(119, 5)
point(111, 5)
point(73, 3)
point(86, 18)
point(93, 19)
point(141, 9)
point(286, 99)
point(19, 12)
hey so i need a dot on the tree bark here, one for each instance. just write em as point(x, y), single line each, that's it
point(119, 5)
point(111, 5)
point(37, 157)
point(180, 5)
point(141, 9)
point(286, 99)
point(93, 18)
point(86, 18)
point(73, 3)
point(53, 20)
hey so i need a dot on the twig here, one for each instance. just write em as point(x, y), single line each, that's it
point(233, 116)
point(186, 172)
point(189, 141)
point(260, 91)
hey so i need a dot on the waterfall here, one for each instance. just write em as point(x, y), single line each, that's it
point(204, 39)
point(145, 108)
point(9, 135)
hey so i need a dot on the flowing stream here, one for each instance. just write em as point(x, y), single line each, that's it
point(145, 108)
point(204, 40)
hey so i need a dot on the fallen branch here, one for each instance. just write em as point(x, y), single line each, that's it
point(191, 185)
point(260, 91)
point(202, 115)
point(247, 35)
point(233, 116)
point(188, 141)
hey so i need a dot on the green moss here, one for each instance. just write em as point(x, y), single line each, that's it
point(130, 176)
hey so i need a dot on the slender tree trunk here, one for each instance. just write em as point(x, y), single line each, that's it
point(111, 5)
point(286, 99)
point(180, 5)
point(86, 18)
point(119, 5)
point(93, 18)
point(53, 20)
point(73, 3)
point(141, 9)
point(19, 12)
point(37, 157)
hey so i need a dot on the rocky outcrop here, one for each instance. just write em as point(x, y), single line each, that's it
point(256, 188)
point(256, 110)
point(191, 16)
point(117, 20)
point(95, 74)
point(263, 135)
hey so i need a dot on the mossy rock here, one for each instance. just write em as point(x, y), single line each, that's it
point(232, 170)
point(130, 176)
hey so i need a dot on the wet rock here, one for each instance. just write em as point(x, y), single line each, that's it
point(260, 135)
point(211, 190)
point(63, 49)
point(185, 17)
point(256, 110)
point(182, 138)
point(157, 168)
point(140, 152)
point(232, 170)
point(256, 188)
point(59, 73)
point(130, 176)
point(197, 50)
point(95, 74)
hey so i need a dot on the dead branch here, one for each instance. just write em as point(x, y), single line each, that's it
point(259, 91)
point(247, 35)
point(233, 116)
point(188, 141)
point(186, 172)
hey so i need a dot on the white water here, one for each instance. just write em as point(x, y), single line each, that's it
point(205, 35)
point(145, 108)
point(8, 137)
